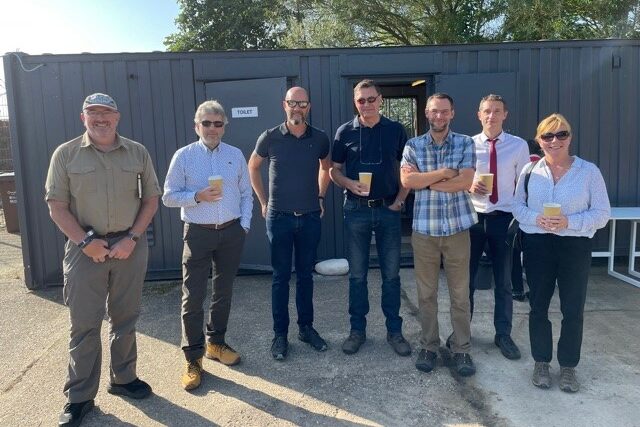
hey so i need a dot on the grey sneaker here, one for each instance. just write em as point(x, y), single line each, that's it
point(568, 380)
point(279, 347)
point(541, 377)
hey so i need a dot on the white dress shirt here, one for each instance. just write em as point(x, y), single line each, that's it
point(189, 172)
point(512, 153)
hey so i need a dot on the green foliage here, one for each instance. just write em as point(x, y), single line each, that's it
point(256, 24)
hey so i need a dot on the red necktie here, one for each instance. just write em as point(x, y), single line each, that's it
point(493, 168)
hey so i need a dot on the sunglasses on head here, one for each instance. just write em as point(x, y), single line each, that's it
point(208, 123)
point(562, 135)
point(291, 103)
point(370, 100)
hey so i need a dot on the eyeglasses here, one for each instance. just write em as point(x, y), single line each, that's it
point(562, 135)
point(208, 123)
point(370, 100)
point(291, 103)
point(93, 113)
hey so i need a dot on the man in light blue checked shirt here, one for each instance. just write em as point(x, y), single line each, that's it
point(216, 219)
point(439, 166)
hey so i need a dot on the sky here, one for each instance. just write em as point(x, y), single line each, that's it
point(76, 26)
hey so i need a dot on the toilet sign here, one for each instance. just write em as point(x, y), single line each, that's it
point(242, 112)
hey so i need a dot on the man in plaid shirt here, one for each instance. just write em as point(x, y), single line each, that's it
point(439, 166)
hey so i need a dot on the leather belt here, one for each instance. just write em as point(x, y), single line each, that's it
point(219, 226)
point(112, 235)
point(372, 203)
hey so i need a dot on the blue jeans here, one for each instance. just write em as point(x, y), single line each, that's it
point(286, 232)
point(360, 221)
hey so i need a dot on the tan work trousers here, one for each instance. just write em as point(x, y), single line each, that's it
point(454, 251)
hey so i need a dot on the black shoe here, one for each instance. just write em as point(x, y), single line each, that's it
point(464, 364)
point(279, 347)
point(399, 344)
point(353, 342)
point(310, 336)
point(136, 389)
point(519, 296)
point(426, 361)
point(508, 348)
point(73, 413)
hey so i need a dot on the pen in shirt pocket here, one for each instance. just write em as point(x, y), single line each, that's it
point(139, 186)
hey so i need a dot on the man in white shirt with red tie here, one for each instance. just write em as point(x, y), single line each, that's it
point(503, 155)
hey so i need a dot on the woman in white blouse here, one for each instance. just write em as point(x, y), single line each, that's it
point(557, 247)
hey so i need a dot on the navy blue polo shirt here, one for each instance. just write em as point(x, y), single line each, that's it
point(293, 167)
point(377, 150)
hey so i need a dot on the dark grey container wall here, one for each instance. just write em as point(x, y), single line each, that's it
point(158, 92)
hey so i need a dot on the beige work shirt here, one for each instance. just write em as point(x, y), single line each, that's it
point(102, 188)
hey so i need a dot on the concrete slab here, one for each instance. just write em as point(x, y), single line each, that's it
point(373, 387)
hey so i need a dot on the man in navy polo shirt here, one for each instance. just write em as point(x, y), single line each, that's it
point(371, 143)
point(298, 179)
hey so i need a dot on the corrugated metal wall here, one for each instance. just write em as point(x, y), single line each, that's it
point(594, 83)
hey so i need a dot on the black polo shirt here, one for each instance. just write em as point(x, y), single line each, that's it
point(377, 150)
point(293, 167)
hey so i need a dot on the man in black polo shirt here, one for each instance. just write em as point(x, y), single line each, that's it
point(298, 179)
point(371, 143)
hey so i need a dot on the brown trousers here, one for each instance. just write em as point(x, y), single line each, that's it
point(454, 251)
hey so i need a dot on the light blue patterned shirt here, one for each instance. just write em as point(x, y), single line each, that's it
point(581, 193)
point(439, 213)
point(189, 172)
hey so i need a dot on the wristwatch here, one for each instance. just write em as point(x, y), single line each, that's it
point(87, 239)
point(133, 236)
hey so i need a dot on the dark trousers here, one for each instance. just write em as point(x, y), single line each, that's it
point(202, 246)
point(566, 260)
point(493, 229)
point(287, 232)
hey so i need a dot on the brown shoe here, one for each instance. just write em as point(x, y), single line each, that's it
point(222, 353)
point(192, 375)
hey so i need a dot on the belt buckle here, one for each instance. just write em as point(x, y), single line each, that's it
point(371, 203)
point(297, 213)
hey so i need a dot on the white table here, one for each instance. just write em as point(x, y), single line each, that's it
point(623, 214)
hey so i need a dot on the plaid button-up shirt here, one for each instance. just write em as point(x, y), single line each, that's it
point(439, 213)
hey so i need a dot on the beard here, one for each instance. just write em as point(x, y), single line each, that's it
point(434, 127)
point(296, 119)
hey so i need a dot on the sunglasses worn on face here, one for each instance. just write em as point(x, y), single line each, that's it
point(291, 103)
point(208, 123)
point(562, 135)
point(370, 100)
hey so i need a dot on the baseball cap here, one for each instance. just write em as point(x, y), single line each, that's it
point(99, 99)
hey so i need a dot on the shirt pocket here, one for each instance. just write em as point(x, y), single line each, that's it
point(127, 180)
point(82, 180)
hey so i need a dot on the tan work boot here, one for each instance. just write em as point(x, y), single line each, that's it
point(568, 381)
point(192, 375)
point(222, 353)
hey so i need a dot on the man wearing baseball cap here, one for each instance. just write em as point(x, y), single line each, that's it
point(102, 192)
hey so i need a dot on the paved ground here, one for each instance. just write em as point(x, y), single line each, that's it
point(374, 387)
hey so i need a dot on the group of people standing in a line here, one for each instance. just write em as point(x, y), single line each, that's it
point(102, 192)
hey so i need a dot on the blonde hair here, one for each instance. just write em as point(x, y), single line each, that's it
point(551, 123)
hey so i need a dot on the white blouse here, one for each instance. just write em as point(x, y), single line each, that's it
point(581, 193)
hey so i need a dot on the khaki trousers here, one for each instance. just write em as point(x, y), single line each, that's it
point(90, 288)
point(454, 251)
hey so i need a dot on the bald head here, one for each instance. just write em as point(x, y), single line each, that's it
point(296, 105)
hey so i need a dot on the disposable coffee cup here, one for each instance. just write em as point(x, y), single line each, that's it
point(487, 180)
point(365, 178)
point(551, 209)
point(215, 182)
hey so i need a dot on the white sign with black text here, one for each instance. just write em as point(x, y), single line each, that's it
point(242, 112)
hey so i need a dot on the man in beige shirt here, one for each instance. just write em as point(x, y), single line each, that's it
point(102, 193)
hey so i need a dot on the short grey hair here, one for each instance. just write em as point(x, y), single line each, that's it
point(210, 107)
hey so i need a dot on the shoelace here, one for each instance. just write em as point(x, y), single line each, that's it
point(193, 368)
point(541, 368)
point(568, 375)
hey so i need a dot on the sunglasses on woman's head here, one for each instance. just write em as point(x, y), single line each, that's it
point(561, 136)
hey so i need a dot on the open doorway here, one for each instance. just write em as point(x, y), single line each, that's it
point(404, 101)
